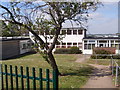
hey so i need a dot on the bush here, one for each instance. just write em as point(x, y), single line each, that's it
point(72, 50)
point(100, 51)
point(116, 56)
point(62, 51)
point(75, 50)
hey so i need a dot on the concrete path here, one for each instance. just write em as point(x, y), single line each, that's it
point(100, 78)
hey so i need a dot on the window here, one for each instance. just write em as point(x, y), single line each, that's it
point(92, 41)
point(112, 41)
point(75, 44)
point(85, 41)
point(112, 45)
point(28, 45)
point(117, 41)
point(117, 46)
point(80, 32)
point(69, 32)
point(57, 46)
point(24, 46)
point(80, 44)
point(101, 45)
point(58, 43)
point(89, 46)
point(85, 46)
point(74, 32)
point(93, 45)
point(69, 43)
point(63, 43)
point(63, 32)
point(102, 41)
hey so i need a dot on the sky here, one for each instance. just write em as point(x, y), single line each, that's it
point(103, 21)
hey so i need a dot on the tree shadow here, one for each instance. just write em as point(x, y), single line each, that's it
point(20, 56)
point(81, 71)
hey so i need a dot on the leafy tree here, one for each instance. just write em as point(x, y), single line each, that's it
point(14, 29)
point(4, 30)
point(47, 18)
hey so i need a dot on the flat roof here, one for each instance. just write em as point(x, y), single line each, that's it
point(13, 38)
point(75, 28)
point(102, 38)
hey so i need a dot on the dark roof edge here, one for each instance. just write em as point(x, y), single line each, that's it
point(13, 38)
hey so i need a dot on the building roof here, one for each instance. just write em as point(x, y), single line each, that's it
point(82, 28)
point(13, 38)
point(101, 38)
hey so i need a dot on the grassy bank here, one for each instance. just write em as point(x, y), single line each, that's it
point(75, 74)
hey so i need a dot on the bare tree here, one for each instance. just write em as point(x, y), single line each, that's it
point(47, 17)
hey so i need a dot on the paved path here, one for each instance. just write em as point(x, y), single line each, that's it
point(100, 78)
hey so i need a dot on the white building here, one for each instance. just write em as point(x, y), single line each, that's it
point(100, 41)
point(77, 37)
point(72, 37)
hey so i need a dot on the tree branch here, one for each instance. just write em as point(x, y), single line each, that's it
point(28, 28)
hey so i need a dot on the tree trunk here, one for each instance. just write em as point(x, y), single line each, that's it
point(53, 62)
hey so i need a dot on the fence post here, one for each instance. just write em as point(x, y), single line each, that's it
point(11, 77)
point(40, 76)
point(112, 66)
point(34, 82)
point(22, 81)
point(16, 73)
point(27, 74)
point(6, 77)
point(55, 79)
point(47, 79)
point(116, 79)
point(2, 82)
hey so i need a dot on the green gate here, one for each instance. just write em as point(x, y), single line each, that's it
point(11, 78)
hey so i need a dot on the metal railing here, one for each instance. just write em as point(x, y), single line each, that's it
point(115, 68)
point(15, 79)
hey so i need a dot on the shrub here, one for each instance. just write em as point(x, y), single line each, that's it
point(62, 51)
point(100, 51)
point(75, 50)
point(72, 50)
point(116, 56)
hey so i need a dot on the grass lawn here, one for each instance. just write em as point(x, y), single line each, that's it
point(118, 61)
point(99, 61)
point(76, 74)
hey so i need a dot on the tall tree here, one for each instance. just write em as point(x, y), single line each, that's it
point(4, 30)
point(14, 29)
point(48, 17)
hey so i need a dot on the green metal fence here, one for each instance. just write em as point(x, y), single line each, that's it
point(13, 77)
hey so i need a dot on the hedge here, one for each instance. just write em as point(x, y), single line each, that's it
point(72, 50)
